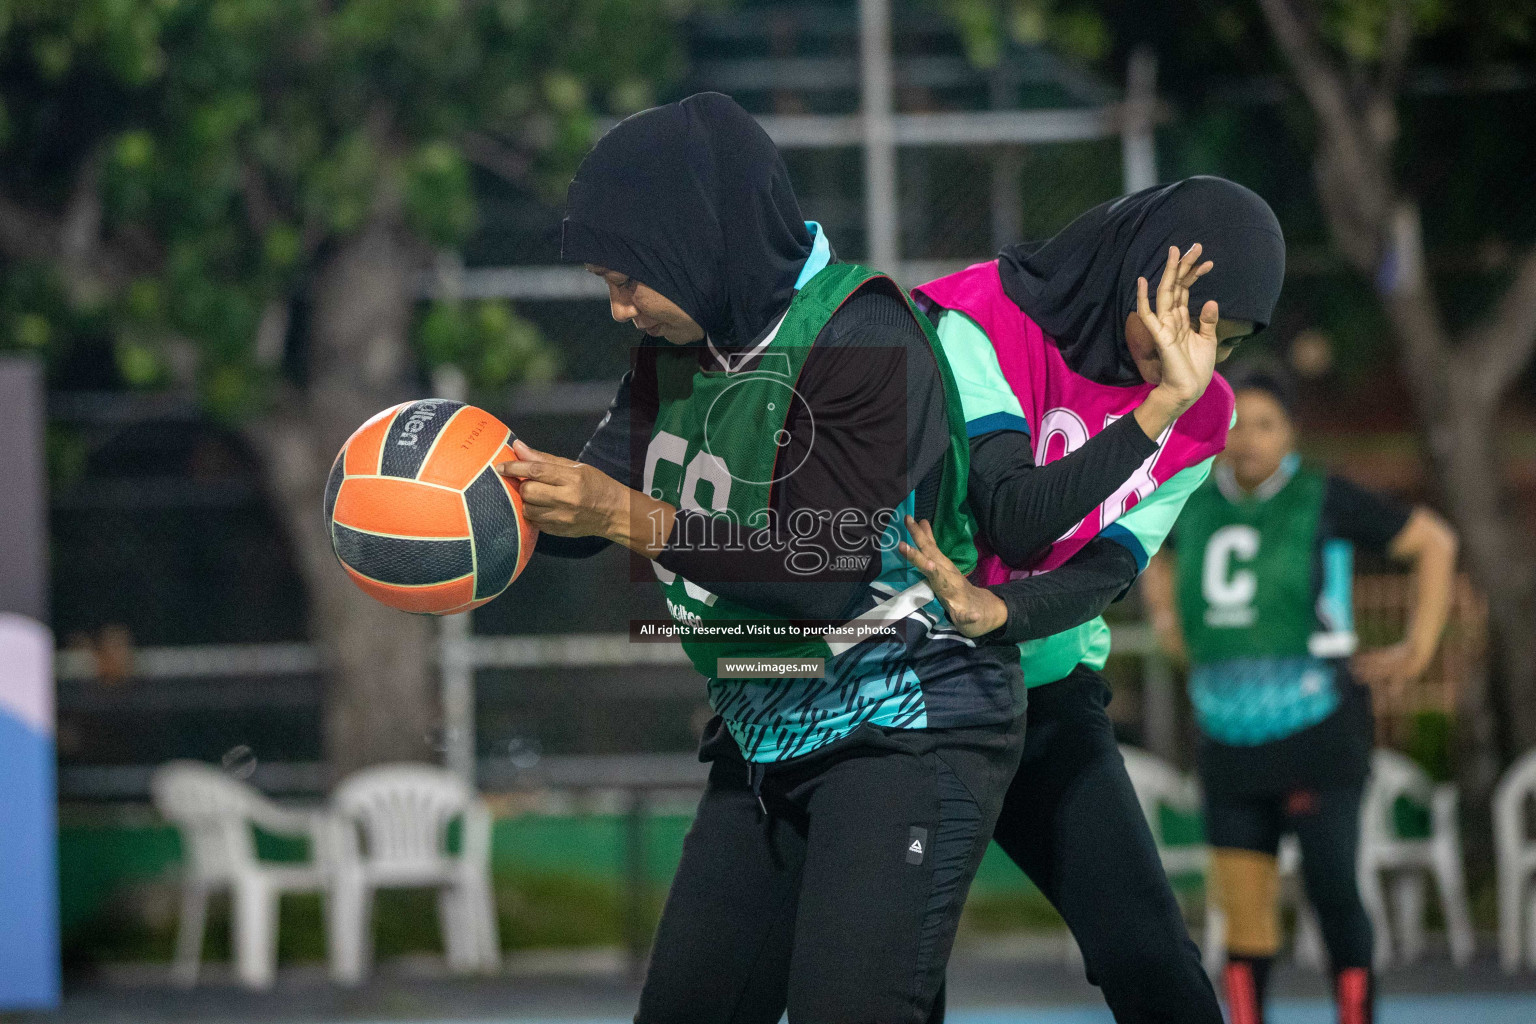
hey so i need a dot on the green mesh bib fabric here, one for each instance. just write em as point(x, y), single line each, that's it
point(1247, 585)
point(1249, 600)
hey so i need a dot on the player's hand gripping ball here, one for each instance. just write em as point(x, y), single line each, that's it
point(418, 515)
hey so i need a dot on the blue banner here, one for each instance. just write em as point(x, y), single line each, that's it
point(29, 887)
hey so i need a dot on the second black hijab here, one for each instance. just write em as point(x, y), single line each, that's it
point(1080, 286)
point(694, 200)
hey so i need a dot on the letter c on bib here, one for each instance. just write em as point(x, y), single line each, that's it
point(1224, 585)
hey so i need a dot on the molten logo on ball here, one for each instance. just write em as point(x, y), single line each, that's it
point(424, 413)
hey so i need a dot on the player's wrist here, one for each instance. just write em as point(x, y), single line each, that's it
point(641, 523)
point(1420, 652)
point(992, 612)
point(1157, 412)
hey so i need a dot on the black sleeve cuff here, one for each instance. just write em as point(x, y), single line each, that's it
point(569, 547)
point(1066, 597)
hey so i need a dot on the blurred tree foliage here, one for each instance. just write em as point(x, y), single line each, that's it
point(172, 167)
point(1235, 113)
point(241, 199)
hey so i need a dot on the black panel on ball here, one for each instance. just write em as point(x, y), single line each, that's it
point(403, 561)
point(333, 486)
point(493, 522)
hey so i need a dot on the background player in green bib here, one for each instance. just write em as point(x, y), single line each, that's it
point(785, 415)
point(1260, 603)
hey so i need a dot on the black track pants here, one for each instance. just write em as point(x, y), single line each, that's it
point(1071, 822)
point(841, 901)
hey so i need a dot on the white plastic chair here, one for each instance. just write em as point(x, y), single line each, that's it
point(1410, 860)
point(403, 813)
point(1516, 855)
point(215, 815)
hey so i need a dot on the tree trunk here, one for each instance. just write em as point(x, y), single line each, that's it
point(1458, 380)
point(381, 698)
point(1457, 419)
point(1457, 408)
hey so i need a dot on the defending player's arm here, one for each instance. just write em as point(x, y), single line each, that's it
point(1074, 592)
point(1026, 609)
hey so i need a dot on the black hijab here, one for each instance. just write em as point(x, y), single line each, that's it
point(1080, 286)
point(692, 199)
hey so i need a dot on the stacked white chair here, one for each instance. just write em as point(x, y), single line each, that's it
point(392, 826)
point(1516, 853)
point(215, 815)
point(1411, 861)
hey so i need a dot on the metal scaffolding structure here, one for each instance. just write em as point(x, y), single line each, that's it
point(879, 131)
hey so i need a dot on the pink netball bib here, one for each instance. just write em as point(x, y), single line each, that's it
point(1064, 409)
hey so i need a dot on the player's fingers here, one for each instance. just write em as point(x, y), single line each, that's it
point(1188, 260)
point(539, 498)
point(1187, 276)
point(915, 531)
point(1144, 310)
point(1143, 306)
point(1199, 272)
point(523, 450)
point(1169, 279)
point(521, 469)
point(548, 472)
point(923, 564)
point(930, 544)
point(925, 532)
point(1210, 313)
point(923, 539)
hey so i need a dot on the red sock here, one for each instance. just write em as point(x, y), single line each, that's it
point(1355, 994)
point(1244, 980)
